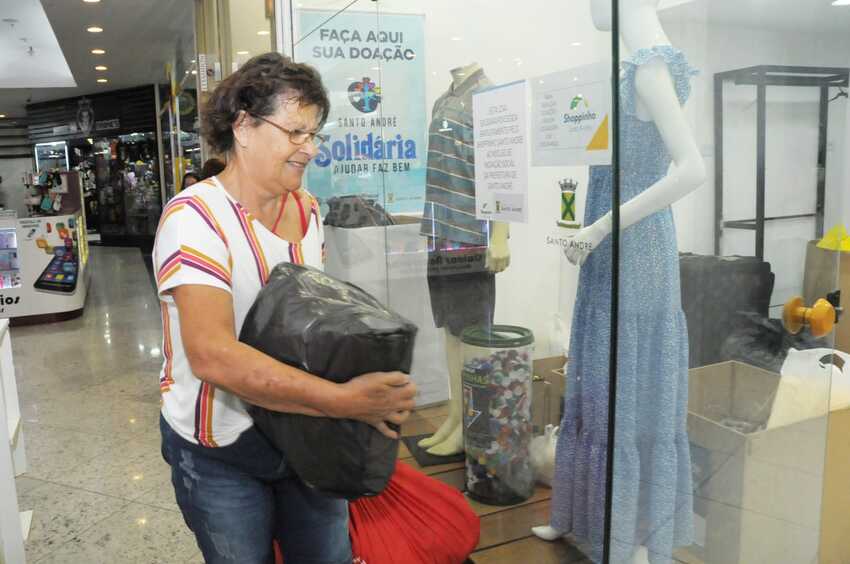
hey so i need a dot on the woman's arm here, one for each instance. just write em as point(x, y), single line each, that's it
point(216, 356)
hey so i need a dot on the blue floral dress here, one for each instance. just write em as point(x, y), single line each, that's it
point(653, 501)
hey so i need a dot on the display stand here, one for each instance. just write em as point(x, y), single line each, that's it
point(14, 525)
point(761, 77)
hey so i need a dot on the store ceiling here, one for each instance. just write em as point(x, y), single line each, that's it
point(140, 37)
point(800, 16)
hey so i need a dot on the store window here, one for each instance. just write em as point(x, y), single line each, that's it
point(475, 158)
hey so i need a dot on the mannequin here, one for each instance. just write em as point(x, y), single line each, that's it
point(452, 120)
point(657, 114)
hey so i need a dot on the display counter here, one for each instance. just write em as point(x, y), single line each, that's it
point(43, 275)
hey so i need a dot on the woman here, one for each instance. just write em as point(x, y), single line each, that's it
point(214, 249)
point(188, 179)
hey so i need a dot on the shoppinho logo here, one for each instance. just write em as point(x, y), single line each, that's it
point(576, 116)
point(369, 148)
point(364, 95)
point(578, 100)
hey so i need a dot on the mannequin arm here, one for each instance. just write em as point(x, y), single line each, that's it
point(657, 96)
point(499, 253)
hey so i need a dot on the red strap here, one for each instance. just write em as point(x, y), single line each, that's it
point(305, 223)
point(280, 213)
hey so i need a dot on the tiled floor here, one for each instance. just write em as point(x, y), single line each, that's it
point(98, 487)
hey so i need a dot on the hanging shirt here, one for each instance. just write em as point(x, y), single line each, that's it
point(205, 237)
point(450, 181)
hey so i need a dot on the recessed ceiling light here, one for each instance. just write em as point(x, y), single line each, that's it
point(98, 52)
point(94, 29)
point(243, 52)
point(576, 43)
point(101, 68)
point(91, 1)
point(263, 32)
point(102, 80)
point(457, 38)
point(2, 116)
point(194, 72)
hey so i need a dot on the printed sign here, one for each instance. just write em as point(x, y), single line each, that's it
point(570, 125)
point(500, 123)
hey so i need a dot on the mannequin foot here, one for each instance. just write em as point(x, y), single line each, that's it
point(641, 556)
point(547, 533)
point(441, 435)
point(453, 444)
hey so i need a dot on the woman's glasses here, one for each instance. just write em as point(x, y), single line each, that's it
point(296, 136)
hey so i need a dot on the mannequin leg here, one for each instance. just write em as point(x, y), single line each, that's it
point(448, 439)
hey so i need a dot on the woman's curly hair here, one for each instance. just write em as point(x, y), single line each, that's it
point(256, 88)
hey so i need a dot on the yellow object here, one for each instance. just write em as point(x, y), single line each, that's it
point(41, 243)
point(600, 138)
point(820, 318)
point(836, 239)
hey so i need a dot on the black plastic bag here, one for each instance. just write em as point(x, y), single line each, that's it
point(335, 330)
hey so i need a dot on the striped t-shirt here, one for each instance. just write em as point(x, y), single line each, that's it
point(450, 181)
point(206, 237)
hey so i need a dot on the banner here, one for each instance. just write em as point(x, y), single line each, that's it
point(376, 81)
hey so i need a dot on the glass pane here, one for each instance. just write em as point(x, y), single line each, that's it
point(733, 134)
point(475, 255)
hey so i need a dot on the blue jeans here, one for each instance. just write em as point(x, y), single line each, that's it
point(237, 498)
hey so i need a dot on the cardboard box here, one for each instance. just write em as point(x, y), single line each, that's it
point(547, 392)
point(777, 496)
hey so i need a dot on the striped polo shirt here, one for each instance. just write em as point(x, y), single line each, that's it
point(450, 181)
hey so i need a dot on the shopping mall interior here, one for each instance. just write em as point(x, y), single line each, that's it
point(606, 240)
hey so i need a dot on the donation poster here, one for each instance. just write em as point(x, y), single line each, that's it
point(570, 125)
point(500, 122)
point(377, 125)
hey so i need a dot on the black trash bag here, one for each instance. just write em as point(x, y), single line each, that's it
point(356, 211)
point(764, 343)
point(332, 329)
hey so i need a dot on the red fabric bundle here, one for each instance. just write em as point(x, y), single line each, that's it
point(415, 520)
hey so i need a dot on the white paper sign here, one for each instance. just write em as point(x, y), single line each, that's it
point(500, 117)
point(570, 124)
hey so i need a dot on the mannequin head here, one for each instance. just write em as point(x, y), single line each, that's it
point(601, 10)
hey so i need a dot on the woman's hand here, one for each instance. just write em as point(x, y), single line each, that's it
point(379, 398)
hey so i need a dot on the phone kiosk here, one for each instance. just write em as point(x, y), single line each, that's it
point(43, 259)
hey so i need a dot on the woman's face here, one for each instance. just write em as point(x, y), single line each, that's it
point(275, 162)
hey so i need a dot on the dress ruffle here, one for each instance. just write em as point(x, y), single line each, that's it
point(680, 71)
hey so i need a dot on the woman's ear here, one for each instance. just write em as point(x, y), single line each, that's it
point(241, 129)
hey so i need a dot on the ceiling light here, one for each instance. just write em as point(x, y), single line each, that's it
point(243, 52)
point(101, 68)
point(102, 80)
point(263, 32)
point(91, 1)
point(94, 29)
point(98, 52)
point(457, 38)
point(194, 72)
point(576, 43)
point(2, 116)
point(841, 3)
